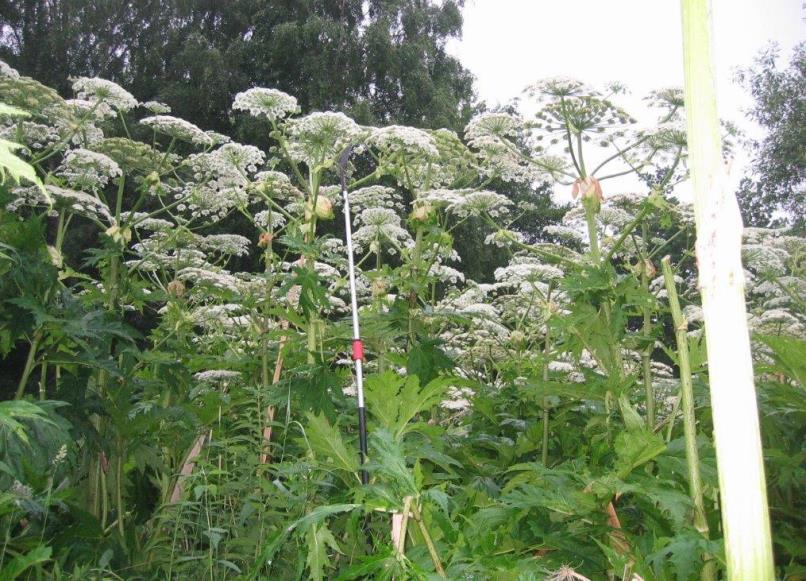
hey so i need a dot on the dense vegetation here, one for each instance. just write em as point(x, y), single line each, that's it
point(185, 407)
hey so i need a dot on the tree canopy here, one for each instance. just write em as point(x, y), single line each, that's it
point(383, 61)
point(774, 195)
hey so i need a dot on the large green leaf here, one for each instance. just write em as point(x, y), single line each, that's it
point(394, 401)
point(16, 167)
point(327, 444)
point(635, 448)
point(789, 354)
point(318, 539)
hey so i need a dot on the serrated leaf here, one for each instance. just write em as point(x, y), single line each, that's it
point(636, 448)
point(394, 401)
point(327, 444)
point(319, 539)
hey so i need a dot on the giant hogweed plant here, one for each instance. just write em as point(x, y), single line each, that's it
point(527, 427)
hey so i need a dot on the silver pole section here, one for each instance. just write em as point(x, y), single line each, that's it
point(358, 345)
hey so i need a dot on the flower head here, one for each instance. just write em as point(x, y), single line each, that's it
point(105, 92)
point(270, 104)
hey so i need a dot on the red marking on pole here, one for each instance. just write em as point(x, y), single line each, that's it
point(358, 349)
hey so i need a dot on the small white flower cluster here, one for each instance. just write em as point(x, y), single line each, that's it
point(142, 221)
point(479, 203)
point(217, 317)
point(87, 170)
point(226, 244)
point(777, 322)
point(76, 202)
point(216, 375)
point(27, 196)
point(565, 234)
point(375, 197)
point(270, 104)
point(527, 273)
point(498, 125)
point(156, 107)
point(8, 71)
point(177, 128)
point(276, 184)
point(445, 273)
point(83, 108)
point(504, 238)
point(765, 258)
point(441, 198)
point(559, 87)
point(458, 399)
point(319, 137)
point(161, 251)
point(221, 179)
point(30, 134)
point(219, 279)
point(104, 92)
point(408, 141)
point(269, 220)
point(377, 226)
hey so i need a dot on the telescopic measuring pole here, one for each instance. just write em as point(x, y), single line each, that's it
point(358, 345)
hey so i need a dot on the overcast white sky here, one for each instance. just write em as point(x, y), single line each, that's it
point(508, 44)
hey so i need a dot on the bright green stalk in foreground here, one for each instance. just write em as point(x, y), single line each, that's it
point(687, 402)
point(742, 489)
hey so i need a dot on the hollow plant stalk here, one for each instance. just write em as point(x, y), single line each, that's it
point(544, 456)
point(742, 484)
point(646, 330)
point(689, 420)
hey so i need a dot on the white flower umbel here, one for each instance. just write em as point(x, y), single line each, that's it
point(269, 220)
point(156, 107)
point(479, 203)
point(226, 244)
point(177, 128)
point(103, 91)
point(446, 274)
point(216, 375)
point(379, 225)
point(275, 184)
point(765, 258)
point(270, 104)
point(81, 203)
point(319, 137)
point(219, 279)
point(375, 197)
point(221, 179)
point(87, 170)
point(441, 198)
point(559, 87)
point(30, 134)
point(409, 141)
point(7, 71)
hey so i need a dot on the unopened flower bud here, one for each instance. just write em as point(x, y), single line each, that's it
point(176, 288)
point(421, 212)
point(323, 209)
point(264, 240)
point(518, 338)
point(589, 190)
point(379, 288)
point(153, 179)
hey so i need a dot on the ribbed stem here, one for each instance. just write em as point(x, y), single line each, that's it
point(737, 438)
point(687, 404)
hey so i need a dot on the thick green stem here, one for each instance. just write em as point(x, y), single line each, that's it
point(737, 436)
point(30, 363)
point(544, 456)
point(646, 355)
point(687, 403)
point(429, 543)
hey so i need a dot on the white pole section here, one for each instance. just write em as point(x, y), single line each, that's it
point(742, 488)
